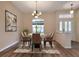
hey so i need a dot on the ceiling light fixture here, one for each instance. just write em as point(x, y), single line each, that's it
point(71, 11)
point(36, 13)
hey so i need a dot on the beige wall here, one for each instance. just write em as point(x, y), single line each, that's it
point(76, 20)
point(50, 21)
point(8, 38)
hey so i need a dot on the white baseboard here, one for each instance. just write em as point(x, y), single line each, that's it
point(8, 46)
point(68, 47)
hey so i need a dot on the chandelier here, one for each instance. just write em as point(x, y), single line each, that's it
point(71, 11)
point(36, 13)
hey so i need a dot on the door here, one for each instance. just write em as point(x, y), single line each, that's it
point(64, 31)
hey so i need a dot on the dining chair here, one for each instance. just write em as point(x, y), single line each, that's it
point(25, 39)
point(49, 39)
point(36, 41)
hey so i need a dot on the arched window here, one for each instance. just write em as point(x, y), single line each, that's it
point(38, 25)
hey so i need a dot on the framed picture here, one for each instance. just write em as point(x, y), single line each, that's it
point(10, 22)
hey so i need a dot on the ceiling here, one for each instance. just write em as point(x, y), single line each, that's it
point(44, 6)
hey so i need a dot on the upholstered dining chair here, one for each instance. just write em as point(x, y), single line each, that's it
point(25, 39)
point(49, 38)
point(36, 41)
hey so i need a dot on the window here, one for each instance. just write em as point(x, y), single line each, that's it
point(60, 26)
point(65, 23)
point(69, 26)
point(38, 25)
point(65, 26)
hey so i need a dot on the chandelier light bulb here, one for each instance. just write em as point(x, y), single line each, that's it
point(71, 11)
point(36, 16)
point(34, 12)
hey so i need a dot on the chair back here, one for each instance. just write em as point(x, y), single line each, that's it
point(36, 38)
point(52, 35)
point(24, 34)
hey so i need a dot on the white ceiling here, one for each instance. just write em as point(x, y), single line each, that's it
point(44, 6)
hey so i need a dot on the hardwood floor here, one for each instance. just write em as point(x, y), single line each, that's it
point(63, 53)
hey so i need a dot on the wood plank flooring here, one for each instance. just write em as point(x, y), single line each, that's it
point(74, 52)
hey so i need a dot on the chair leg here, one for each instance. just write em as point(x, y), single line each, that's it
point(45, 44)
point(29, 44)
point(32, 46)
point(23, 44)
point(50, 42)
point(39, 47)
